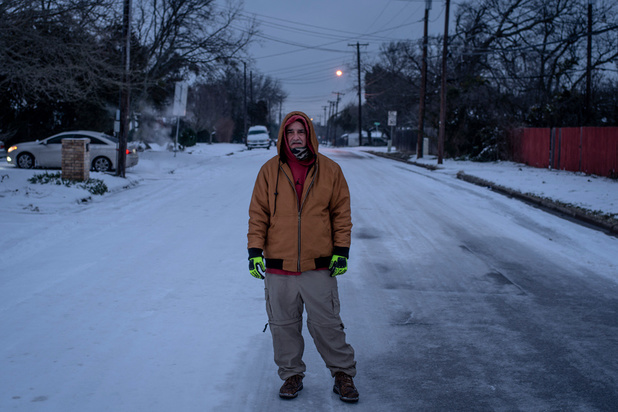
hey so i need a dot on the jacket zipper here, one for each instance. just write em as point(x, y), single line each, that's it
point(300, 208)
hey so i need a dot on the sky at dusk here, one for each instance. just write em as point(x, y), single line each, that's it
point(303, 43)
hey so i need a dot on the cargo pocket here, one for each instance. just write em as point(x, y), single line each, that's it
point(269, 310)
point(335, 301)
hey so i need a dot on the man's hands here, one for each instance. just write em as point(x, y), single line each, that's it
point(256, 263)
point(338, 265)
point(256, 267)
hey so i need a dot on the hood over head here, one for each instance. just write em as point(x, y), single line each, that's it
point(282, 143)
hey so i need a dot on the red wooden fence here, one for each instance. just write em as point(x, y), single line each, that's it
point(592, 150)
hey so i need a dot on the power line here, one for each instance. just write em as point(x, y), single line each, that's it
point(333, 63)
point(344, 36)
point(374, 36)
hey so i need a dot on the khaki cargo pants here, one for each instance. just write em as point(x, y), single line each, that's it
point(317, 291)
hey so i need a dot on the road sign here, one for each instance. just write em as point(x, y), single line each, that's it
point(180, 100)
point(392, 118)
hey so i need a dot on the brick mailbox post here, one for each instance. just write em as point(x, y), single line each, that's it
point(76, 159)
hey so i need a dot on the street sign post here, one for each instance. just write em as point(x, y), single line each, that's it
point(180, 99)
point(392, 118)
point(392, 122)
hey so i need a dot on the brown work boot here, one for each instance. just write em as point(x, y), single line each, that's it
point(344, 387)
point(291, 387)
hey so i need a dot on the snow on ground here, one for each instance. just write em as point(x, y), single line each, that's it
point(117, 291)
point(89, 282)
point(18, 194)
point(586, 191)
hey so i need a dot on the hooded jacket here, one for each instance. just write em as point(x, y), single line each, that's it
point(296, 237)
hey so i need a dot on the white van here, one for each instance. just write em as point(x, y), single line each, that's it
point(257, 136)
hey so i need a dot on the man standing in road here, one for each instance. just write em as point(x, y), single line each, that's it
point(298, 241)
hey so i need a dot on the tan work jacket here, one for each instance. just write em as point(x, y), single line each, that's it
point(303, 237)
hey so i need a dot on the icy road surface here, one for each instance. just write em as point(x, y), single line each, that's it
point(456, 298)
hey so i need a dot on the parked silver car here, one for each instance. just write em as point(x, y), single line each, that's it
point(47, 153)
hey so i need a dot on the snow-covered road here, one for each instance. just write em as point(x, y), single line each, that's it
point(457, 298)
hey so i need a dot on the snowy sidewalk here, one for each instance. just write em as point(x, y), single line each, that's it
point(588, 198)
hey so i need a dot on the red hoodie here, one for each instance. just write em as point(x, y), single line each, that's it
point(299, 167)
point(299, 170)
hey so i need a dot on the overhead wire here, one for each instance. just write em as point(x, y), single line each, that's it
point(322, 71)
point(330, 64)
point(302, 27)
point(323, 33)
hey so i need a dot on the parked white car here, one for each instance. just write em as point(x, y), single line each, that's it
point(258, 137)
point(47, 153)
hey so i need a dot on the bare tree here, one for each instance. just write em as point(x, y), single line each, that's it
point(393, 84)
point(217, 104)
point(535, 48)
point(522, 61)
point(53, 59)
point(208, 104)
point(182, 37)
point(49, 49)
point(269, 91)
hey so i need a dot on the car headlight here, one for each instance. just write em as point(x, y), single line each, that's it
point(12, 148)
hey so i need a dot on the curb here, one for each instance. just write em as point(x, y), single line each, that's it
point(400, 157)
point(607, 224)
point(582, 215)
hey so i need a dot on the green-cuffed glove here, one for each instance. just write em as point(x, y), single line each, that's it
point(338, 265)
point(256, 267)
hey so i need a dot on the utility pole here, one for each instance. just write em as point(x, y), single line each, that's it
point(336, 114)
point(328, 122)
point(324, 129)
point(360, 111)
point(588, 116)
point(443, 87)
point(421, 106)
point(125, 101)
point(244, 113)
point(251, 86)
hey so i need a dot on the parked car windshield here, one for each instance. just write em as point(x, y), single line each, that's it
point(112, 138)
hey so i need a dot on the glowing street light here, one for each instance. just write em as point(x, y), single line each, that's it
point(339, 73)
